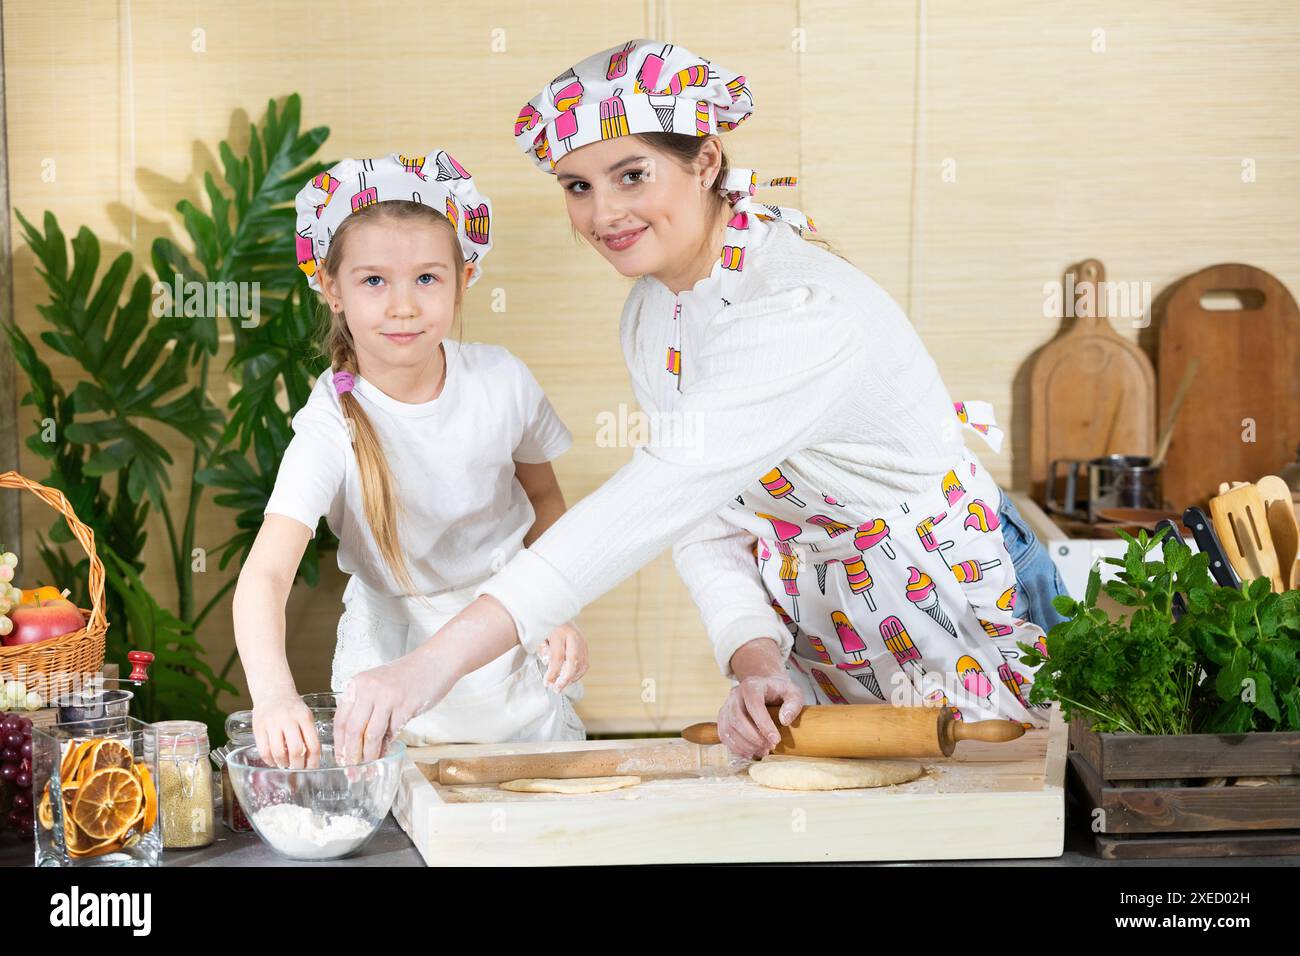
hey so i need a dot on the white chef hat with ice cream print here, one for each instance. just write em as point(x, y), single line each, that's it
point(434, 179)
point(641, 86)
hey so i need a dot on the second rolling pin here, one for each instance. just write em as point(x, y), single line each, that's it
point(872, 730)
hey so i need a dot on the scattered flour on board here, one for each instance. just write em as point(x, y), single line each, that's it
point(302, 832)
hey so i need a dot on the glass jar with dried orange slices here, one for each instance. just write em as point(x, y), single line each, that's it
point(96, 792)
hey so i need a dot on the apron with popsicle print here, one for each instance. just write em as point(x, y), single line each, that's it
point(912, 606)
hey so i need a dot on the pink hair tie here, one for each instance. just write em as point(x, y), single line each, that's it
point(344, 382)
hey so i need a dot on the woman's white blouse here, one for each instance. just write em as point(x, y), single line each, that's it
point(813, 368)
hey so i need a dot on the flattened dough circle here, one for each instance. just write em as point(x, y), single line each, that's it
point(833, 773)
point(573, 785)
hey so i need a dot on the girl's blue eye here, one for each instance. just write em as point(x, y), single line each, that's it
point(367, 279)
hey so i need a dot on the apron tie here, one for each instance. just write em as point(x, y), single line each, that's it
point(978, 417)
point(738, 187)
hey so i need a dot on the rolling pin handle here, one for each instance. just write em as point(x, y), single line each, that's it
point(989, 731)
point(702, 734)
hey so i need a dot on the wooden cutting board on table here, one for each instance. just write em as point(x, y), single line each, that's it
point(696, 805)
point(1247, 385)
point(1091, 391)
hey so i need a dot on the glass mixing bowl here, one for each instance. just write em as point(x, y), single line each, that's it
point(318, 813)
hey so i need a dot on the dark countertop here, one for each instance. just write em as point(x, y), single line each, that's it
point(392, 847)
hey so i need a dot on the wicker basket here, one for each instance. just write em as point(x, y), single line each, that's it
point(52, 666)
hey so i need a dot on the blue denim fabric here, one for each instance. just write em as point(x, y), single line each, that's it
point(1036, 574)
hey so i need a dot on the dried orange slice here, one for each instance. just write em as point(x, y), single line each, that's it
point(78, 849)
point(72, 758)
point(150, 808)
point(45, 812)
point(109, 753)
point(87, 767)
point(106, 803)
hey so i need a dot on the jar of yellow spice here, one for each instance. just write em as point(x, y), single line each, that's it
point(184, 784)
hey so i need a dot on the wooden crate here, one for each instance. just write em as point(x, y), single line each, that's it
point(1154, 802)
point(987, 801)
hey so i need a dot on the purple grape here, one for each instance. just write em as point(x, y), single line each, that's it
point(22, 800)
point(8, 771)
point(24, 780)
point(13, 738)
point(9, 755)
point(25, 751)
point(10, 724)
point(25, 726)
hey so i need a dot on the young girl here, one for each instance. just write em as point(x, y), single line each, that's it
point(428, 458)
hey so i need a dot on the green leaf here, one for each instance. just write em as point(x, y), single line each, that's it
point(1228, 684)
point(1264, 699)
point(1259, 588)
point(1094, 586)
point(1065, 605)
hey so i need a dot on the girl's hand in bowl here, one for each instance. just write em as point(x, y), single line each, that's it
point(286, 732)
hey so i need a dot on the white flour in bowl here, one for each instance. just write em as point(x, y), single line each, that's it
point(301, 832)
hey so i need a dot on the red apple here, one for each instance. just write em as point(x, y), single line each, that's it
point(42, 621)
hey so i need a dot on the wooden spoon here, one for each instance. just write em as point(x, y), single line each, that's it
point(1282, 525)
point(1241, 522)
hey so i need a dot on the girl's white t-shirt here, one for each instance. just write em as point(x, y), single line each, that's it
point(452, 461)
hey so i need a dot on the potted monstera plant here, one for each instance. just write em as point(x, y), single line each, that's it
point(149, 346)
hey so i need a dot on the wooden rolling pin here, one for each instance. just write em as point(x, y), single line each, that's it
point(651, 759)
point(872, 730)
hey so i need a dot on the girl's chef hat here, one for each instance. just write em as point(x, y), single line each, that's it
point(437, 180)
point(643, 86)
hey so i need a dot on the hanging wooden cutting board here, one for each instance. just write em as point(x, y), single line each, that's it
point(1091, 391)
point(1247, 386)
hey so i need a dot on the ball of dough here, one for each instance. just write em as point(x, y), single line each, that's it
point(833, 773)
point(573, 785)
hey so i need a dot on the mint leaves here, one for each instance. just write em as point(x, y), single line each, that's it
point(1230, 664)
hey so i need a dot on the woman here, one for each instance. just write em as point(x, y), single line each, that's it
point(842, 544)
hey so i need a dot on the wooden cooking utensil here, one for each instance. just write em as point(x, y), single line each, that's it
point(1167, 429)
point(872, 730)
point(1091, 392)
point(1247, 380)
point(649, 760)
point(1242, 525)
point(1282, 525)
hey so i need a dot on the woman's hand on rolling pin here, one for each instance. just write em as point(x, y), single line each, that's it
point(565, 653)
point(286, 732)
point(744, 724)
